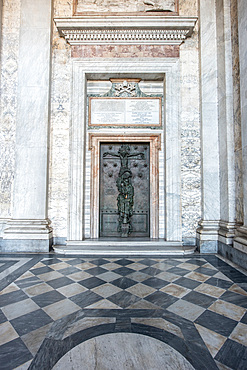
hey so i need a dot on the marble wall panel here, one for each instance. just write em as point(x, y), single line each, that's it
point(188, 7)
point(242, 19)
point(125, 51)
point(1, 6)
point(61, 112)
point(60, 120)
point(8, 100)
point(190, 129)
point(237, 111)
point(225, 112)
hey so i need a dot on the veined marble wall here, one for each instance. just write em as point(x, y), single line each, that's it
point(60, 120)
point(8, 101)
point(190, 128)
point(61, 88)
point(189, 118)
point(237, 112)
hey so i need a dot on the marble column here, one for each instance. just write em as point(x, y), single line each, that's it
point(29, 229)
point(1, 6)
point(240, 241)
point(207, 233)
point(226, 123)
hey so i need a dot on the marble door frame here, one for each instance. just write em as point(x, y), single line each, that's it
point(155, 145)
point(84, 69)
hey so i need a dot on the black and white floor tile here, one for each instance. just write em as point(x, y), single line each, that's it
point(49, 305)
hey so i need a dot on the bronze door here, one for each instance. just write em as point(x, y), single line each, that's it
point(124, 190)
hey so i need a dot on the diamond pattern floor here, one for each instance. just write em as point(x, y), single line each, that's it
point(46, 298)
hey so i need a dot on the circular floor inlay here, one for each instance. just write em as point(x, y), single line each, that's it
point(123, 351)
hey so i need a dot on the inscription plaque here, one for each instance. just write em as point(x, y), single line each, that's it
point(125, 111)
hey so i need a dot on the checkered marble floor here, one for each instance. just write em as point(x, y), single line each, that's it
point(49, 304)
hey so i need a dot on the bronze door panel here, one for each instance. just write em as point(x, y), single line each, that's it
point(124, 190)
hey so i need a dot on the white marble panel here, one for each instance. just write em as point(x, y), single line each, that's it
point(190, 136)
point(1, 7)
point(210, 163)
point(8, 100)
point(34, 69)
point(207, 233)
point(28, 191)
point(30, 183)
point(106, 352)
point(225, 107)
point(242, 31)
point(35, 14)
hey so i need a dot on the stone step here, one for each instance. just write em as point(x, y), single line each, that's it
point(124, 248)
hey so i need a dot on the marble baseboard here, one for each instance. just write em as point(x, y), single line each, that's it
point(207, 246)
point(240, 245)
point(233, 254)
point(59, 240)
point(3, 223)
point(207, 236)
point(189, 241)
point(26, 245)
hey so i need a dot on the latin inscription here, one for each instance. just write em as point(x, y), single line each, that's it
point(125, 111)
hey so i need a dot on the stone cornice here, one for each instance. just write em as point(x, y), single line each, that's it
point(126, 30)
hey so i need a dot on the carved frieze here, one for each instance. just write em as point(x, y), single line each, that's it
point(124, 6)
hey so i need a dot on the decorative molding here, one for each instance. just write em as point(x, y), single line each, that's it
point(208, 231)
point(240, 240)
point(133, 30)
point(167, 68)
point(28, 229)
point(127, 138)
point(241, 235)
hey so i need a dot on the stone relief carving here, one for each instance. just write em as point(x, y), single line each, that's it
point(125, 6)
point(159, 6)
point(8, 101)
point(125, 88)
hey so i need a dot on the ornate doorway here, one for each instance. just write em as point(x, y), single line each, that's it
point(153, 142)
point(124, 190)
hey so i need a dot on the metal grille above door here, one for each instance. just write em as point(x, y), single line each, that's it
point(124, 190)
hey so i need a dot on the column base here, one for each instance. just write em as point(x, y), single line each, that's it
point(233, 254)
point(207, 236)
point(240, 240)
point(227, 232)
point(27, 236)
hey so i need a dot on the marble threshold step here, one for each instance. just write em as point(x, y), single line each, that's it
point(128, 247)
